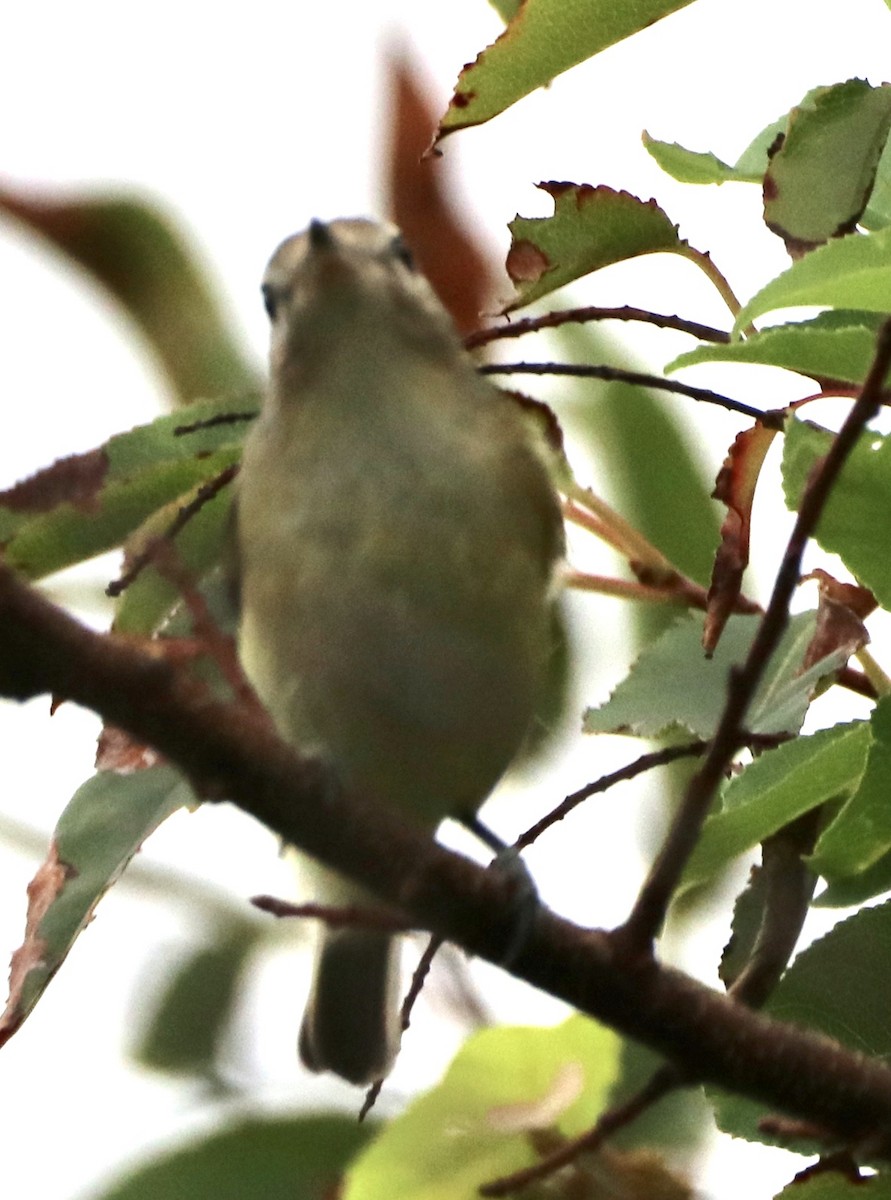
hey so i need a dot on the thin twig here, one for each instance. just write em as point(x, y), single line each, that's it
point(418, 979)
point(646, 762)
point(663, 1081)
point(205, 493)
point(578, 316)
point(618, 375)
point(648, 914)
point(337, 916)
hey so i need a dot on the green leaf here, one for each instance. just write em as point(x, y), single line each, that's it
point(820, 177)
point(853, 890)
point(506, 9)
point(878, 211)
point(200, 545)
point(838, 345)
point(276, 1158)
point(856, 519)
point(776, 788)
point(544, 38)
point(86, 504)
point(138, 254)
point(850, 272)
point(190, 1021)
point(591, 228)
point(831, 1185)
point(856, 957)
point(674, 686)
point(70, 534)
point(503, 1084)
point(860, 835)
point(103, 826)
point(697, 166)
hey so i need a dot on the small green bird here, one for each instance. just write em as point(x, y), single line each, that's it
point(397, 537)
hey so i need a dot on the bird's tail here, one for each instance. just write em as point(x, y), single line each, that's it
point(351, 1023)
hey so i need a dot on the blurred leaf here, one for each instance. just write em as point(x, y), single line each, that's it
point(591, 228)
point(820, 177)
point(856, 957)
point(544, 38)
point(270, 1158)
point(852, 272)
point(861, 833)
point(776, 788)
point(103, 826)
point(192, 1017)
point(836, 345)
point(475, 1125)
point(626, 429)
point(420, 201)
point(857, 516)
point(672, 685)
point(679, 1124)
point(136, 252)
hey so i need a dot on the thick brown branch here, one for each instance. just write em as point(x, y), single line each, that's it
point(230, 753)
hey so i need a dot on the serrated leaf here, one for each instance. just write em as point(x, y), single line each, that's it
point(878, 211)
point(191, 1018)
point(136, 252)
point(696, 166)
point(83, 505)
point(860, 835)
point(853, 272)
point(855, 522)
point(276, 1158)
point(776, 788)
point(475, 1124)
point(103, 826)
point(856, 957)
point(543, 39)
point(673, 686)
point(69, 534)
point(591, 228)
point(820, 177)
point(836, 345)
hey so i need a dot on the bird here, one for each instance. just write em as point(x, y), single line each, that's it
point(398, 536)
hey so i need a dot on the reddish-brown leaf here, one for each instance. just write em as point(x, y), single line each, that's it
point(734, 487)
point(840, 613)
point(77, 479)
point(43, 889)
point(459, 269)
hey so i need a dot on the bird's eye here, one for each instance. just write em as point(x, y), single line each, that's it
point(401, 252)
point(270, 300)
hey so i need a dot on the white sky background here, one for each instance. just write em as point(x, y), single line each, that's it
point(246, 122)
